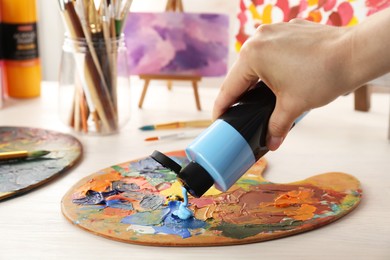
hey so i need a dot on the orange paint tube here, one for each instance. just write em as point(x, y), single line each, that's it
point(22, 69)
point(1, 59)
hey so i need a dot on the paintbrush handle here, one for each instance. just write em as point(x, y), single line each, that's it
point(174, 125)
point(5, 156)
point(197, 123)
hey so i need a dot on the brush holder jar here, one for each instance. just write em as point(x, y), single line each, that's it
point(94, 85)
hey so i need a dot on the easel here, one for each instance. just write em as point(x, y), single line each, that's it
point(172, 6)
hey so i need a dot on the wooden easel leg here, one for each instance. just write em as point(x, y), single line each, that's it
point(362, 99)
point(169, 84)
point(195, 87)
point(141, 100)
point(180, 6)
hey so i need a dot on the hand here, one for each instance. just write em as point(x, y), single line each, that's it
point(303, 63)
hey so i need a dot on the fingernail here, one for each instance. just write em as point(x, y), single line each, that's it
point(274, 142)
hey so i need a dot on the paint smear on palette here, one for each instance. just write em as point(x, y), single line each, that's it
point(138, 202)
point(19, 177)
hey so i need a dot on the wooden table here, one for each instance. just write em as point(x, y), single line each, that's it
point(334, 138)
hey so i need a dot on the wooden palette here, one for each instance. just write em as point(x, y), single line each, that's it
point(17, 178)
point(133, 202)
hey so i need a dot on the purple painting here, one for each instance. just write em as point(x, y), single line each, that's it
point(177, 43)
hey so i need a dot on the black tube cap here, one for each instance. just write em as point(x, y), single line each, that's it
point(166, 161)
point(195, 179)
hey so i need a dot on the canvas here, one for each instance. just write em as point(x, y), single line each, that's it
point(134, 202)
point(252, 13)
point(19, 177)
point(173, 43)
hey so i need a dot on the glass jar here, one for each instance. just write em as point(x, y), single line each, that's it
point(94, 85)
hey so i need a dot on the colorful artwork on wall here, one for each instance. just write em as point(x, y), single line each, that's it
point(173, 43)
point(134, 202)
point(252, 13)
point(18, 177)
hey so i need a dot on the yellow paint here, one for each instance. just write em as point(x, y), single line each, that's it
point(354, 21)
point(254, 12)
point(238, 46)
point(175, 189)
point(267, 14)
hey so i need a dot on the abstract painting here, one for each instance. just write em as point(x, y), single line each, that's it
point(134, 202)
point(173, 43)
point(253, 13)
point(18, 177)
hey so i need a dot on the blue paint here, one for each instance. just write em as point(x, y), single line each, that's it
point(95, 197)
point(164, 221)
point(118, 204)
point(183, 212)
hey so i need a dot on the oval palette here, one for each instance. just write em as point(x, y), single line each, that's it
point(18, 177)
point(133, 202)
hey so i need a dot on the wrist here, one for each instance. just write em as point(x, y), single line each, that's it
point(369, 54)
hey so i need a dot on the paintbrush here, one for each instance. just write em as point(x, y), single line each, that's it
point(21, 155)
point(176, 136)
point(178, 124)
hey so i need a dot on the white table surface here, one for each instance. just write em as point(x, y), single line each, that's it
point(333, 138)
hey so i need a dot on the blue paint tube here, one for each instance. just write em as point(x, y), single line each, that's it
point(229, 147)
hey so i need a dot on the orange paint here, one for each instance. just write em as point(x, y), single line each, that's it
point(99, 183)
point(315, 16)
point(295, 197)
point(22, 69)
point(304, 212)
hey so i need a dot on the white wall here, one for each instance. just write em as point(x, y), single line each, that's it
point(51, 28)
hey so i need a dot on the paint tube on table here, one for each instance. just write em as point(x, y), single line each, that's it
point(21, 67)
point(1, 59)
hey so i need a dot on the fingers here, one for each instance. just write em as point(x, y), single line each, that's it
point(279, 125)
point(238, 80)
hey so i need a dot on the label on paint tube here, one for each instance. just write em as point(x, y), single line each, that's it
point(20, 41)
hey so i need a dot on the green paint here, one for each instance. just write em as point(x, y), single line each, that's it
point(119, 169)
point(247, 182)
point(244, 231)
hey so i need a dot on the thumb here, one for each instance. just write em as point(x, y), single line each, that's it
point(279, 125)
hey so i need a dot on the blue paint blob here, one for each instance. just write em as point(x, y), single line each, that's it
point(183, 212)
point(165, 221)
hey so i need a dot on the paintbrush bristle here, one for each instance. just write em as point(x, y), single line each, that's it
point(147, 128)
point(39, 153)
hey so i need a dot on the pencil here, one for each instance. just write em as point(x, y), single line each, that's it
point(18, 155)
point(179, 124)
